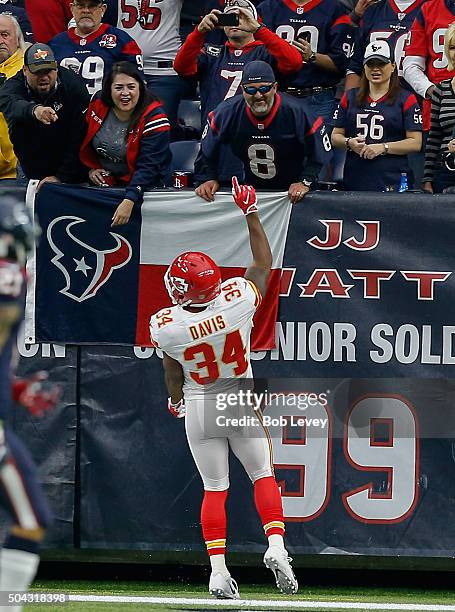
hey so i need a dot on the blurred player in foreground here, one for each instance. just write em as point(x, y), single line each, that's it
point(20, 493)
point(197, 371)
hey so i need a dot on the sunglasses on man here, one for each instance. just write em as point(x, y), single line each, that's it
point(263, 89)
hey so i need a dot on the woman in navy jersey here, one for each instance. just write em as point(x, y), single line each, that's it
point(378, 124)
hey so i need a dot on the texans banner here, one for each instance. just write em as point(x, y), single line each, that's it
point(365, 339)
point(94, 284)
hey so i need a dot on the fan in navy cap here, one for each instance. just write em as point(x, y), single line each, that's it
point(258, 71)
point(259, 87)
point(280, 142)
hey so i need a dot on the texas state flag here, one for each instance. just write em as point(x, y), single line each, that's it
point(94, 284)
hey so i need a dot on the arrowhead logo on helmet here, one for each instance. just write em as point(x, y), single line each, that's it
point(95, 266)
point(193, 278)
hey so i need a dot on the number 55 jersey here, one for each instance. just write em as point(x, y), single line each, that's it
point(286, 146)
point(212, 345)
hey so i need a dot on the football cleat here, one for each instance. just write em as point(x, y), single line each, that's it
point(223, 587)
point(193, 278)
point(277, 560)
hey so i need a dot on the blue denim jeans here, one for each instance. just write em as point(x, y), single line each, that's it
point(324, 104)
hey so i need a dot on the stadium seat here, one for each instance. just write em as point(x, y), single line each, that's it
point(189, 113)
point(184, 154)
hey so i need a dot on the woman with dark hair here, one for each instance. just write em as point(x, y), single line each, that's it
point(378, 125)
point(127, 141)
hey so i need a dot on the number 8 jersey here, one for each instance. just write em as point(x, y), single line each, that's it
point(212, 345)
point(378, 121)
point(286, 146)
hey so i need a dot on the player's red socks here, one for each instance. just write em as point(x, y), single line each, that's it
point(269, 505)
point(213, 521)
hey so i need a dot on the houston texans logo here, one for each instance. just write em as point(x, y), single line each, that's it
point(40, 54)
point(86, 273)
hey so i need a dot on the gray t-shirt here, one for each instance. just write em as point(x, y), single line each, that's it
point(110, 145)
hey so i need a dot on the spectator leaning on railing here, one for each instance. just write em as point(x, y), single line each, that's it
point(282, 145)
point(43, 106)
point(127, 142)
point(12, 48)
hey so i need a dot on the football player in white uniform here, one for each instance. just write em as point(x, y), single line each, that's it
point(205, 339)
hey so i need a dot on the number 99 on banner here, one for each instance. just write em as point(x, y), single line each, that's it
point(380, 436)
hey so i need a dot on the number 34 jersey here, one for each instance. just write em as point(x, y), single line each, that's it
point(213, 345)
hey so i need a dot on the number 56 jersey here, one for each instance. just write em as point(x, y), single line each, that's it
point(213, 345)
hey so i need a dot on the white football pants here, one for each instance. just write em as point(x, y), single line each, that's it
point(209, 445)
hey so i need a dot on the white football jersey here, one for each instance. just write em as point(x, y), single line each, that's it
point(213, 345)
point(154, 25)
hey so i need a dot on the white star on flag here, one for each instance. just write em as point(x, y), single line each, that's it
point(81, 266)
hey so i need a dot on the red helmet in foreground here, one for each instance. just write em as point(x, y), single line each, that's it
point(193, 278)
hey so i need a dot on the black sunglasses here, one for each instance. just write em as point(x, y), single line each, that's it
point(263, 89)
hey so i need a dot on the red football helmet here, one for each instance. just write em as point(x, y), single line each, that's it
point(193, 278)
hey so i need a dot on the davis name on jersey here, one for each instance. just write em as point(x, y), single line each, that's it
point(93, 56)
point(212, 345)
point(385, 21)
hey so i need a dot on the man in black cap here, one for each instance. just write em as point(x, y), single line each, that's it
point(43, 106)
point(281, 144)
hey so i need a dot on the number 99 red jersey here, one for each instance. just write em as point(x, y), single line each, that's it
point(427, 37)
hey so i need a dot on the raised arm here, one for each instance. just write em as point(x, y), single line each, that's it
point(258, 272)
